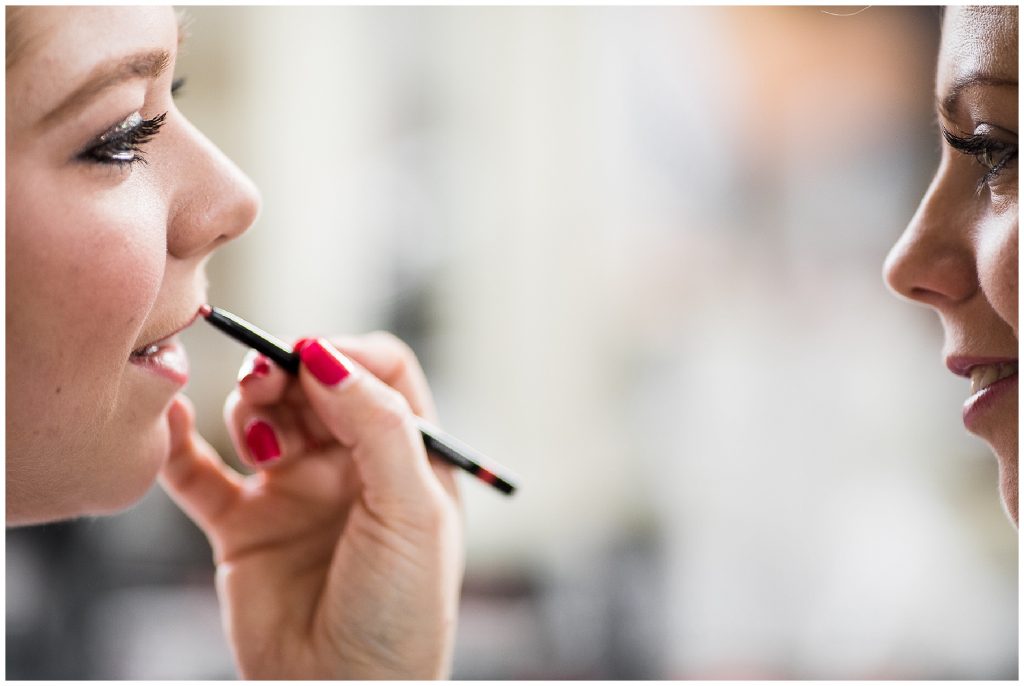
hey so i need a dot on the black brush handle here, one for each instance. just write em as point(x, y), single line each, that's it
point(445, 446)
point(257, 339)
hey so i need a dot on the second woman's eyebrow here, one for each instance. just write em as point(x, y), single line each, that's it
point(947, 104)
point(145, 65)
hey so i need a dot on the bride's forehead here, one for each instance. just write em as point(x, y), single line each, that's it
point(54, 52)
point(53, 35)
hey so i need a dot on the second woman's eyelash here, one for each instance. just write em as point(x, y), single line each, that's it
point(994, 155)
point(122, 145)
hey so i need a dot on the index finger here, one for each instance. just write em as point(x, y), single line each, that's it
point(392, 361)
point(260, 381)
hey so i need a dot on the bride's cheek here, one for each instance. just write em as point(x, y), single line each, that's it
point(136, 432)
point(78, 314)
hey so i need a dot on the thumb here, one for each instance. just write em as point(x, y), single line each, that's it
point(375, 422)
point(194, 475)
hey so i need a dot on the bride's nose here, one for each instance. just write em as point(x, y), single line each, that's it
point(213, 202)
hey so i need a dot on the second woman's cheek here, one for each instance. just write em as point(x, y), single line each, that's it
point(997, 264)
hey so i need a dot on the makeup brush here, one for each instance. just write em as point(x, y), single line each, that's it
point(446, 447)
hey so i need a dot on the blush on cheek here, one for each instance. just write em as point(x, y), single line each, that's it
point(103, 304)
point(125, 279)
point(82, 279)
point(997, 265)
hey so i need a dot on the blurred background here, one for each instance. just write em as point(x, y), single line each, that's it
point(638, 252)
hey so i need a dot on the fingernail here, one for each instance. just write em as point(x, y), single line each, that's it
point(262, 441)
point(301, 343)
point(259, 368)
point(328, 365)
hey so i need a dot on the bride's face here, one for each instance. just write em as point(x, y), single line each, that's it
point(959, 253)
point(114, 204)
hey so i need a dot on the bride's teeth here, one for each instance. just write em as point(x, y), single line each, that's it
point(148, 350)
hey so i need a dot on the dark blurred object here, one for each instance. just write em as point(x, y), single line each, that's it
point(601, 617)
point(123, 597)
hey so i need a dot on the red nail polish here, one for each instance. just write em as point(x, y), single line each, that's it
point(259, 369)
point(262, 441)
point(301, 343)
point(327, 365)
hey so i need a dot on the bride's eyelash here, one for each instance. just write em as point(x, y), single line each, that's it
point(994, 155)
point(122, 144)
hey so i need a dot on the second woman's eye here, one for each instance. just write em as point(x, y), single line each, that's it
point(122, 144)
point(993, 154)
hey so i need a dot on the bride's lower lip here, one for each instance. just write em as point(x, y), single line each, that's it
point(982, 402)
point(168, 361)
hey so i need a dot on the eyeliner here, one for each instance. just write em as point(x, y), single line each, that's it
point(447, 447)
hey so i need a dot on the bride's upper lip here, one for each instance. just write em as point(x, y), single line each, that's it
point(181, 327)
point(961, 365)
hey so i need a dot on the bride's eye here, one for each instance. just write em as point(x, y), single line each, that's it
point(122, 143)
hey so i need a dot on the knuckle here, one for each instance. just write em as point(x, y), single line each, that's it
point(390, 411)
point(398, 349)
point(437, 516)
point(384, 338)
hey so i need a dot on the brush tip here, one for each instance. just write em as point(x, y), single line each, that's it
point(205, 310)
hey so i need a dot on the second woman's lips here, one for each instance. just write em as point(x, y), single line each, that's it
point(979, 406)
point(991, 379)
point(984, 375)
point(962, 365)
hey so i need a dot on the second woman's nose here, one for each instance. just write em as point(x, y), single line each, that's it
point(932, 262)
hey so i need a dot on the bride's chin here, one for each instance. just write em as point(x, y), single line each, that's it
point(134, 471)
point(100, 479)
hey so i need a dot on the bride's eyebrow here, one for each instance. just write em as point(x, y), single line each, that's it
point(144, 65)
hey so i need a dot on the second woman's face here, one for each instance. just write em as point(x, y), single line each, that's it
point(959, 253)
point(113, 207)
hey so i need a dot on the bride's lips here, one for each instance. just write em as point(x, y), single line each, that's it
point(992, 379)
point(165, 356)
